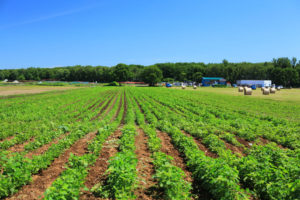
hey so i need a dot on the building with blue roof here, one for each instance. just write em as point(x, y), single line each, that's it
point(208, 81)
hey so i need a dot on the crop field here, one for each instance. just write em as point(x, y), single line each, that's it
point(148, 143)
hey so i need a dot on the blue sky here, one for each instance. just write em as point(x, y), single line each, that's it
point(49, 33)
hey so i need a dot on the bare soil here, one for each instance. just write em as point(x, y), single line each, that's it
point(201, 146)
point(265, 141)
point(145, 167)
point(97, 171)
point(111, 106)
point(20, 147)
point(125, 108)
point(169, 149)
point(118, 111)
point(244, 142)
point(8, 138)
point(235, 149)
point(15, 90)
point(103, 109)
point(43, 180)
point(45, 147)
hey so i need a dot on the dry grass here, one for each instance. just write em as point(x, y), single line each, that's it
point(287, 95)
point(15, 90)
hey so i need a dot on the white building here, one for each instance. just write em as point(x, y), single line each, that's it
point(258, 83)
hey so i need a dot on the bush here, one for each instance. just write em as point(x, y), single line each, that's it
point(114, 83)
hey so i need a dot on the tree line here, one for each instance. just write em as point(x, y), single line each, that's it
point(282, 71)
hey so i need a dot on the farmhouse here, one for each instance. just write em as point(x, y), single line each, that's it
point(208, 81)
point(257, 83)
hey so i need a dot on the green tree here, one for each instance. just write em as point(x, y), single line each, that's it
point(283, 62)
point(152, 75)
point(225, 62)
point(294, 62)
point(21, 77)
point(197, 77)
point(122, 72)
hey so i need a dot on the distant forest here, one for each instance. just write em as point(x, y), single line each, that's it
point(282, 71)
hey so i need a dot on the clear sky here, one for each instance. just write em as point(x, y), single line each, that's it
point(49, 33)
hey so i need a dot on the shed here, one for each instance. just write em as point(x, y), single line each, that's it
point(208, 81)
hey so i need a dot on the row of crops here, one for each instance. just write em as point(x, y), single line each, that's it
point(145, 143)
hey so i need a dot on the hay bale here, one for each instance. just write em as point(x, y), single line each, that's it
point(265, 91)
point(240, 89)
point(195, 87)
point(247, 91)
point(262, 89)
point(278, 89)
point(183, 87)
point(272, 90)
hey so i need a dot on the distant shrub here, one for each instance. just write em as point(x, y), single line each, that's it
point(114, 83)
point(219, 86)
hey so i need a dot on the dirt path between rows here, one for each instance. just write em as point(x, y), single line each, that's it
point(118, 111)
point(169, 149)
point(103, 109)
point(20, 147)
point(7, 138)
point(265, 141)
point(111, 106)
point(244, 142)
point(145, 168)
point(45, 147)
point(45, 178)
point(234, 149)
point(201, 146)
point(96, 172)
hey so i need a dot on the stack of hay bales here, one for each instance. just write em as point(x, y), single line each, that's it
point(241, 89)
point(272, 90)
point(247, 91)
point(265, 91)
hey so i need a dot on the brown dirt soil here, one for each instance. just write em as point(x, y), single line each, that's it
point(265, 141)
point(100, 104)
point(118, 111)
point(65, 105)
point(125, 108)
point(169, 149)
point(45, 178)
point(103, 109)
point(145, 167)
point(111, 106)
point(235, 149)
point(201, 146)
point(96, 172)
point(45, 147)
point(20, 147)
point(89, 108)
point(244, 142)
point(15, 90)
point(7, 139)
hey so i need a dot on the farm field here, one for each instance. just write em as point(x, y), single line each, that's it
point(149, 143)
point(19, 90)
point(284, 95)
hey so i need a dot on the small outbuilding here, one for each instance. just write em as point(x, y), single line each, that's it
point(208, 81)
point(257, 83)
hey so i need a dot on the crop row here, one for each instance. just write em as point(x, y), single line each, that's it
point(278, 183)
